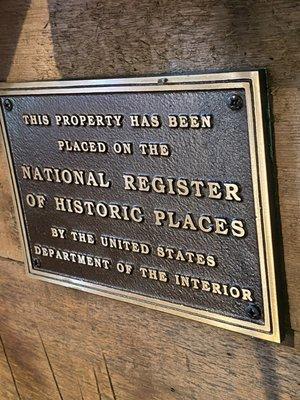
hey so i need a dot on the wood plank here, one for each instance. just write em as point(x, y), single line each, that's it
point(8, 385)
point(56, 338)
point(9, 233)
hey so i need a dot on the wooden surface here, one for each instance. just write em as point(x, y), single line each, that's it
point(57, 343)
point(56, 339)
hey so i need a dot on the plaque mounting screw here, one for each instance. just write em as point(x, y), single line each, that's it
point(8, 104)
point(253, 311)
point(235, 102)
point(162, 81)
point(36, 262)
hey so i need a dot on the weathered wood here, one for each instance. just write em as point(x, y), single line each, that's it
point(9, 238)
point(61, 343)
point(56, 340)
point(8, 387)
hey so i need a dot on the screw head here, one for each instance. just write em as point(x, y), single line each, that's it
point(253, 311)
point(235, 102)
point(36, 262)
point(8, 104)
point(161, 81)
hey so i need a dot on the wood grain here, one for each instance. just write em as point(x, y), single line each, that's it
point(9, 238)
point(64, 344)
point(59, 343)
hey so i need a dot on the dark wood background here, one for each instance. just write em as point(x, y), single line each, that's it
point(58, 343)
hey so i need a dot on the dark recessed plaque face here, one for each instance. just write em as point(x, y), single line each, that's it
point(152, 191)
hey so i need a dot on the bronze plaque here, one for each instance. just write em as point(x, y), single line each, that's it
point(149, 190)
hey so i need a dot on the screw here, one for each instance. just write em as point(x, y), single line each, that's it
point(161, 81)
point(8, 104)
point(253, 311)
point(235, 102)
point(36, 262)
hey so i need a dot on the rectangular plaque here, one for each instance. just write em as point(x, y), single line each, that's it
point(149, 190)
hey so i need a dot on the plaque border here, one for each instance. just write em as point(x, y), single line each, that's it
point(251, 82)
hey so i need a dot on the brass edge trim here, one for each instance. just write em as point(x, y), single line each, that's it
point(218, 76)
point(266, 210)
point(257, 201)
